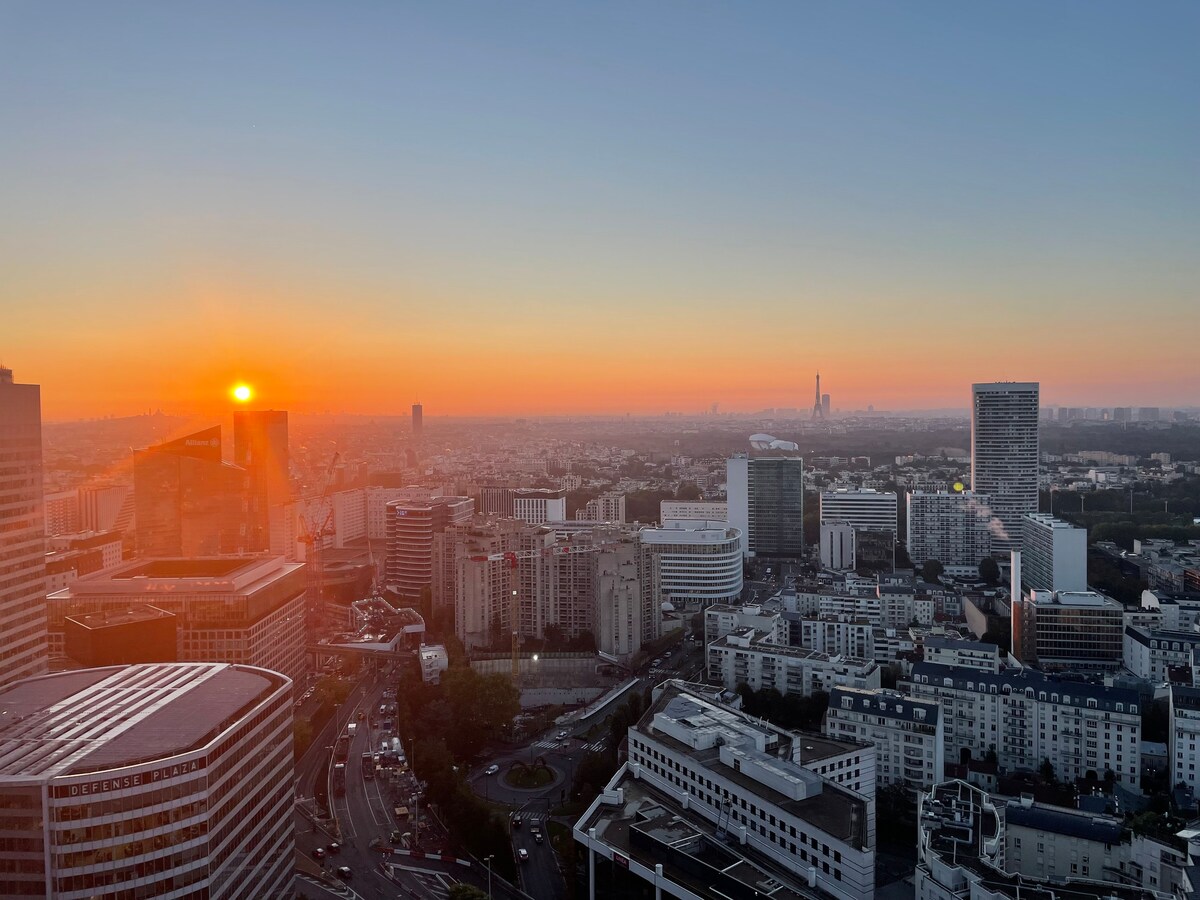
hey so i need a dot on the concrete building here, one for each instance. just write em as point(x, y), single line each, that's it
point(260, 447)
point(170, 780)
point(952, 528)
point(1185, 732)
point(861, 509)
point(1005, 455)
point(624, 601)
point(1025, 716)
point(243, 611)
point(693, 510)
point(608, 507)
point(837, 546)
point(537, 505)
point(906, 733)
point(23, 587)
point(411, 526)
point(715, 800)
point(944, 651)
point(105, 507)
point(1053, 554)
point(1151, 652)
point(61, 513)
point(418, 419)
point(1043, 841)
point(188, 502)
point(766, 503)
point(696, 563)
point(720, 619)
point(434, 661)
point(750, 657)
point(1061, 630)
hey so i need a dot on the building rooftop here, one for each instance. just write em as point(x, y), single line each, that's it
point(1063, 821)
point(886, 703)
point(203, 575)
point(181, 568)
point(110, 618)
point(1074, 693)
point(95, 720)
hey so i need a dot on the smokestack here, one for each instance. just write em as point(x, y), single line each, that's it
point(1016, 606)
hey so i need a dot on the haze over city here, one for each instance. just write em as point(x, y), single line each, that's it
point(570, 208)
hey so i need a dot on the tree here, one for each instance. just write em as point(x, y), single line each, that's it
point(989, 570)
point(687, 490)
point(931, 571)
point(463, 891)
point(1046, 770)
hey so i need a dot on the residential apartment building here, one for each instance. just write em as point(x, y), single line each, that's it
point(1004, 455)
point(1185, 732)
point(715, 797)
point(1053, 554)
point(23, 562)
point(1151, 652)
point(864, 509)
point(750, 657)
point(160, 780)
point(608, 507)
point(905, 731)
point(536, 505)
point(953, 528)
point(411, 526)
point(696, 563)
point(693, 510)
point(1026, 716)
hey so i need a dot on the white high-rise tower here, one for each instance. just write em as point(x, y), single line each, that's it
point(1004, 455)
point(23, 650)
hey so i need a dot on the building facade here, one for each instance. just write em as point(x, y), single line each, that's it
point(411, 526)
point(1053, 554)
point(865, 509)
point(537, 505)
point(906, 733)
point(260, 447)
point(952, 528)
point(1068, 630)
point(692, 510)
point(694, 562)
point(1005, 454)
point(749, 657)
point(170, 780)
point(23, 561)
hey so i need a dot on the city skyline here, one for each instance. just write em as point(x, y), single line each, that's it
point(709, 196)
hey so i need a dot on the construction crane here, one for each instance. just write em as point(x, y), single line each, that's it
point(315, 526)
point(513, 560)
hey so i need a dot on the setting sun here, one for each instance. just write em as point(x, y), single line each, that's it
point(242, 393)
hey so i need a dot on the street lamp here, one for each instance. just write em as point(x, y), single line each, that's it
point(488, 860)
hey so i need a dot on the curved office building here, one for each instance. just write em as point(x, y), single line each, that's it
point(169, 780)
point(696, 561)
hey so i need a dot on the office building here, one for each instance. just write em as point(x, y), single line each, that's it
point(953, 528)
point(139, 634)
point(260, 447)
point(714, 802)
point(61, 513)
point(23, 563)
point(861, 509)
point(411, 526)
point(170, 780)
point(710, 510)
point(765, 495)
point(418, 419)
point(1068, 630)
point(695, 563)
point(751, 657)
point(189, 503)
point(1053, 554)
point(1004, 455)
point(106, 507)
point(71, 556)
point(906, 733)
point(537, 505)
point(244, 611)
point(1026, 716)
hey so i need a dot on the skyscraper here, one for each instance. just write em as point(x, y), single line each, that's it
point(1004, 455)
point(23, 560)
point(260, 446)
point(418, 419)
point(189, 502)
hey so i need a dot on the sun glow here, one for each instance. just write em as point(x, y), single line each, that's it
point(242, 393)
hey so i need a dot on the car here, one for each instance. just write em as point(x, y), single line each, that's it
point(538, 838)
point(562, 735)
point(523, 854)
point(344, 873)
point(361, 715)
point(491, 770)
point(318, 853)
point(334, 848)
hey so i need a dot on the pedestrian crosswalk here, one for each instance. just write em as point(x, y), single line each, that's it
point(546, 745)
point(434, 885)
point(594, 747)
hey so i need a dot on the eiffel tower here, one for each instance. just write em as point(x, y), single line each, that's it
point(818, 409)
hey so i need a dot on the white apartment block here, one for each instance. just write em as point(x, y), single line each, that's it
point(784, 798)
point(953, 528)
point(1053, 554)
point(608, 507)
point(906, 733)
point(838, 637)
point(1026, 716)
point(692, 510)
point(861, 509)
point(749, 657)
point(723, 618)
point(837, 546)
point(536, 506)
point(1150, 653)
point(1185, 732)
point(697, 563)
point(944, 651)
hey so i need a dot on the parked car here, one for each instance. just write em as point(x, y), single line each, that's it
point(334, 848)
point(562, 735)
point(318, 853)
point(344, 873)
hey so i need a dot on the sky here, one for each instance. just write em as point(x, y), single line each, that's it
point(524, 208)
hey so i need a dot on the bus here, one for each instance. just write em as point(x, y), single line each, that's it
point(368, 766)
